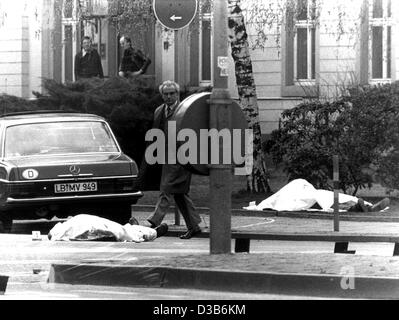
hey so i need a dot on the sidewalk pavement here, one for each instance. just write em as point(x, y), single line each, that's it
point(344, 216)
point(310, 272)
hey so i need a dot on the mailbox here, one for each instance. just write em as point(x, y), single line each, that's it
point(193, 114)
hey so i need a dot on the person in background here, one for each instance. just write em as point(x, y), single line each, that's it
point(88, 62)
point(134, 62)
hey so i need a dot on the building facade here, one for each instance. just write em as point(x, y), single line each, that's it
point(40, 38)
point(20, 46)
point(312, 48)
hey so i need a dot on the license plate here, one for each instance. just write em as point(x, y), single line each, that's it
point(75, 187)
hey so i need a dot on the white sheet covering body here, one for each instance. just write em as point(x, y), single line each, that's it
point(86, 227)
point(300, 195)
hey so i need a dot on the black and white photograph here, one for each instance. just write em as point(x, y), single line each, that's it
point(199, 156)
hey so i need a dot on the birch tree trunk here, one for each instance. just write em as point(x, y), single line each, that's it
point(258, 180)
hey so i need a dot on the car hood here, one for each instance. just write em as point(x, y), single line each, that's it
point(59, 167)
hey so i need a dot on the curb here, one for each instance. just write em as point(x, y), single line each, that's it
point(21, 227)
point(221, 280)
point(283, 214)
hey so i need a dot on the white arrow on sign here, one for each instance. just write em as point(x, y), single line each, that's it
point(174, 18)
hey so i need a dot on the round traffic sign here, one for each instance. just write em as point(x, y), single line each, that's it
point(175, 14)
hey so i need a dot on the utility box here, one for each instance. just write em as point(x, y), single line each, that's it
point(201, 144)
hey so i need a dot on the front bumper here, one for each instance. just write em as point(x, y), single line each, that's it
point(134, 196)
point(115, 189)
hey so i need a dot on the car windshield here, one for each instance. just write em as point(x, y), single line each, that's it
point(58, 138)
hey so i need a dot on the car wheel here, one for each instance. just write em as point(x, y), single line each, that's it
point(6, 224)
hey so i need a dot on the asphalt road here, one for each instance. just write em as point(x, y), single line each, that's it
point(27, 261)
point(27, 264)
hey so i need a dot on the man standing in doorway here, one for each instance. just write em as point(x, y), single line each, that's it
point(174, 179)
point(88, 62)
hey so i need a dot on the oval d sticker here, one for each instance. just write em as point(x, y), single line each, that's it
point(30, 174)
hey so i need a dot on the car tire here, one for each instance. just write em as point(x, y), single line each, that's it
point(6, 224)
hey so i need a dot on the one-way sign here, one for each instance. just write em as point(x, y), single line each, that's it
point(175, 14)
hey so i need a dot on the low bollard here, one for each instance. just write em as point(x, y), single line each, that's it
point(336, 192)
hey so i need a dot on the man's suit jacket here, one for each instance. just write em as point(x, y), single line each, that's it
point(88, 66)
point(133, 60)
point(170, 178)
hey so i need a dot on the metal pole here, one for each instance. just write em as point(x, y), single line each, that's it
point(220, 118)
point(336, 192)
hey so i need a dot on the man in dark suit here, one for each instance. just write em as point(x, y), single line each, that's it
point(134, 62)
point(174, 179)
point(88, 62)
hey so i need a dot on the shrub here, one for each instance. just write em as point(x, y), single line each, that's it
point(378, 126)
point(360, 128)
point(9, 104)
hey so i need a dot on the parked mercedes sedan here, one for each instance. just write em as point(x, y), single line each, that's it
point(61, 164)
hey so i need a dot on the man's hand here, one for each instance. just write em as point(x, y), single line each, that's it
point(137, 73)
point(130, 74)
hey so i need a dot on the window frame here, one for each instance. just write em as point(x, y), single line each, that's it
point(291, 86)
point(69, 22)
point(309, 24)
point(386, 22)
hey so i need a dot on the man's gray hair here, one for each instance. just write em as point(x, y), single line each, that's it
point(168, 84)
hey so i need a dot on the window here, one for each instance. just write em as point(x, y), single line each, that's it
point(305, 41)
point(381, 40)
point(205, 44)
point(68, 33)
point(68, 9)
point(68, 53)
point(95, 7)
point(300, 52)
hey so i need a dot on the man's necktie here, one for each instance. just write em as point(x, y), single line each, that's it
point(169, 112)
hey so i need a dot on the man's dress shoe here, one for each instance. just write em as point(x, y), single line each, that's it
point(161, 230)
point(149, 224)
point(190, 233)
